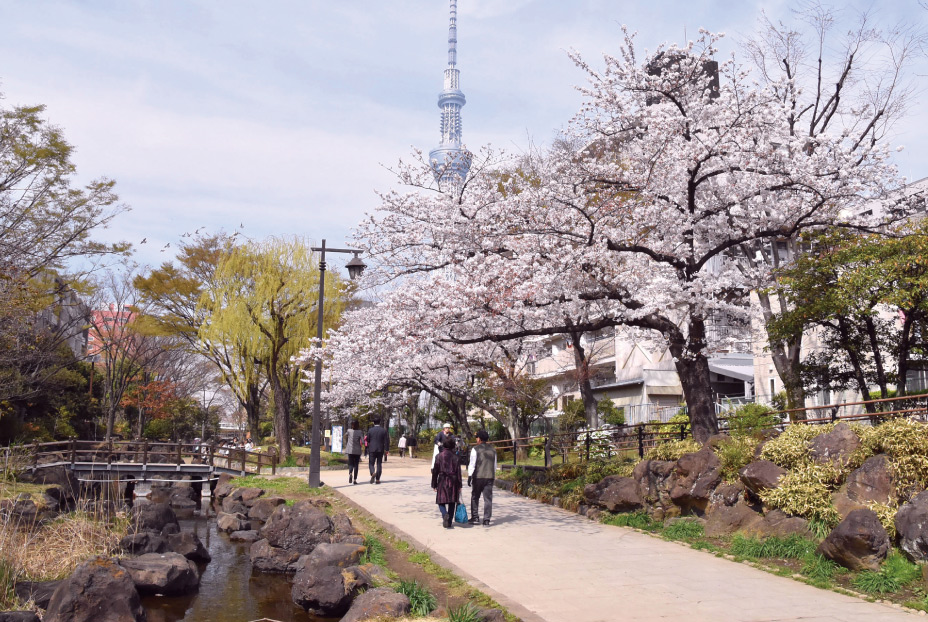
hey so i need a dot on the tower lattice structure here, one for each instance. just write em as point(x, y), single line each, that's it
point(450, 161)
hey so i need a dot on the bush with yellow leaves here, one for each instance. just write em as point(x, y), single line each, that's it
point(905, 441)
point(791, 448)
point(672, 450)
point(887, 516)
point(806, 491)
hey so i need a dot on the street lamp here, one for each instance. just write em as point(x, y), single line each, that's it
point(355, 268)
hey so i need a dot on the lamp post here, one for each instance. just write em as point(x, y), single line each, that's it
point(355, 268)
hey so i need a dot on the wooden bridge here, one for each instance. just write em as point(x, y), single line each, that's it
point(140, 460)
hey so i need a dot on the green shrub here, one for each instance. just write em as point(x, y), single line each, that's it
point(609, 412)
point(750, 420)
point(735, 454)
point(806, 491)
point(906, 443)
point(421, 601)
point(791, 448)
point(673, 450)
point(790, 547)
point(465, 613)
point(636, 520)
point(375, 552)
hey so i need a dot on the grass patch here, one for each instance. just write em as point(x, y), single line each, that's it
point(465, 613)
point(278, 485)
point(12, 489)
point(685, 530)
point(791, 547)
point(819, 570)
point(637, 520)
point(896, 573)
point(375, 553)
point(421, 601)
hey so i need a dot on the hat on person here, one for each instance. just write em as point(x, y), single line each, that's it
point(447, 426)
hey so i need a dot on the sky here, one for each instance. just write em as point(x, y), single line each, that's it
point(284, 116)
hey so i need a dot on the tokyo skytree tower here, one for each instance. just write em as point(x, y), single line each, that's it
point(450, 162)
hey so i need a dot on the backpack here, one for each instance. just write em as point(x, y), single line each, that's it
point(460, 450)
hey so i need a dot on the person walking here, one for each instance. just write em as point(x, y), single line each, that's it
point(401, 445)
point(412, 443)
point(446, 482)
point(378, 442)
point(481, 473)
point(440, 439)
point(353, 450)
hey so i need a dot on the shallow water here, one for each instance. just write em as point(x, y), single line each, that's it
point(228, 590)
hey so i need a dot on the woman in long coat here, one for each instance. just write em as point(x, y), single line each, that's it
point(446, 481)
point(353, 450)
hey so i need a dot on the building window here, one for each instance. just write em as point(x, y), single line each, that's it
point(773, 387)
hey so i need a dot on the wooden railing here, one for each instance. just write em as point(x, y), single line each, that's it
point(75, 451)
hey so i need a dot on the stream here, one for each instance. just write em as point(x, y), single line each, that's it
point(229, 592)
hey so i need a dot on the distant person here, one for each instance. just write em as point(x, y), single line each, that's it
point(446, 482)
point(353, 450)
point(412, 443)
point(401, 445)
point(440, 440)
point(480, 475)
point(378, 442)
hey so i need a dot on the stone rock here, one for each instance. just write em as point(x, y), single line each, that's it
point(18, 616)
point(724, 520)
point(912, 528)
point(249, 535)
point(780, 524)
point(760, 475)
point(39, 592)
point(873, 481)
point(726, 495)
point(223, 488)
point(163, 573)
point(188, 544)
point(248, 496)
point(859, 542)
point(58, 476)
point(338, 554)
point(835, 446)
point(695, 477)
point(57, 498)
point(652, 476)
point(99, 590)
point(267, 558)
point(262, 509)
point(614, 493)
point(844, 504)
point(377, 574)
point(491, 615)
point(152, 517)
point(182, 491)
point(234, 506)
point(380, 602)
point(143, 542)
point(24, 512)
point(343, 527)
point(232, 522)
point(298, 528)
point(186, 506)
point(170, 529)
point(328, 590)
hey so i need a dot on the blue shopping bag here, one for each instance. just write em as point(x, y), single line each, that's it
point(460, 514)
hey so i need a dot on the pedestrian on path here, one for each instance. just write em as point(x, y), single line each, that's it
point(481, 473)
point(378, 441)
point(440, 440)
point(353, 450)
point(446, 482)
point(401, 445)
point(413, 442)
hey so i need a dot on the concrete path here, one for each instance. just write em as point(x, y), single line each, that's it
point(547, 564)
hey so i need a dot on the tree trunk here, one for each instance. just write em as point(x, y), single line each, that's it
point(693, 369)
point(877, 357)
point(582, 366)
point(853, 355)
point(902, 364)
point(786, 357)
point(282, 416)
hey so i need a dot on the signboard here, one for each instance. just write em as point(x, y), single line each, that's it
point(336, 439)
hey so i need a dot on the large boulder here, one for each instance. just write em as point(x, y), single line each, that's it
point(18, 616)
point(99, 590)
point(336, 554)
point(344, 529)
point(189, 545)
point(232, 522)
point(328, 590)
point(872, 482)
point(163, 573)
point(652, 476)
point(726, 495)
point(836, 446)
point(267, 558)
point(152, 517)
point(724, 520)
point(844, 504)
point(39, 592)
point(298, 528)
point(59, 476)
point(262, 509)
point(695, 477)
point(380, 602)
point(249, 535)
point(912, 528)
point(614, 493)
point(143, 542)
point(780, 524)
point(223, 486)
point(760, 475)
point(859, 542)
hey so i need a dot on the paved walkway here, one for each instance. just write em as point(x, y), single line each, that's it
point(546, 564)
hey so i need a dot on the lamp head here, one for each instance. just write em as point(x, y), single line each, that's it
point(355, 267)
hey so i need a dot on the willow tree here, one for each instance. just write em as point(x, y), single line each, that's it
point(264, 298)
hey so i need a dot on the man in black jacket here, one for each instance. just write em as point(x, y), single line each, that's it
point(378, 443)
point(481, 472)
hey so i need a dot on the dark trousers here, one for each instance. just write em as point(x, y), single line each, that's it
point(447, 508)
point(484, 487)
point(375, 457)
point(354, 460)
